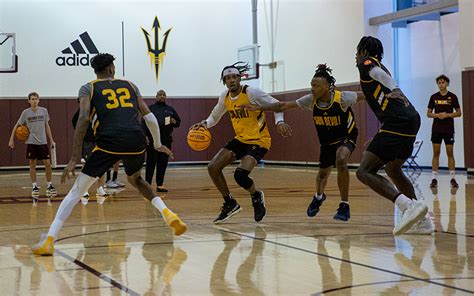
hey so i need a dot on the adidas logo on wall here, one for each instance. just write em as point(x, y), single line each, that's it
point(78, 53)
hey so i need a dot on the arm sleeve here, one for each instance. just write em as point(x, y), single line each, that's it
point(154, 128)
point(381, 76)
point(259, 97)
point(217, 112)
point(85, 90)
point(348, 99)
point(305, 102)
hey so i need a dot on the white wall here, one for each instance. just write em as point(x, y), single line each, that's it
point(310, 32)
point(426, 49)
point(205, 36)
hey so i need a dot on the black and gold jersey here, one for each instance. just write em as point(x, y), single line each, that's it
point(333, 124)
point(394, 116)
point(117, 127)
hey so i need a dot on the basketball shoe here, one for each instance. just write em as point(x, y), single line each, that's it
point(314, 206)
point(45, 247)
point(228, 210)
point(171, 219)
point(258, 203)
point(423, 226)
point(35, 192)
point(415, 211)
point(51, 191)
point(343, 212)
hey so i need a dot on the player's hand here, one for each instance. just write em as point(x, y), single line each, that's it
point(284, 129)
point(398, 95)
point(199, 125)
point(166, 150)
point(442, 115)
point(172, 120)
point(251, 107)
point(68, 171)
point(53, 145)
point(11, 143)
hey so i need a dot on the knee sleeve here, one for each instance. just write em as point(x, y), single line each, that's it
point(242, 178)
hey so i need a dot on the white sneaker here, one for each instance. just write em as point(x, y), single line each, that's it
point(101, 191)
point(111, 184)
point(84, 200)
point(86, 195)
point(414, 212)
point(423, 226)
point(119, 184)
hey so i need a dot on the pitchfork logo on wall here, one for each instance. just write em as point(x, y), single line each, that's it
point(156, 52)
point(78, 54)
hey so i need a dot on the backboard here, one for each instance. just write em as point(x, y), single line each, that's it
point(8, 57)
point(249, 54)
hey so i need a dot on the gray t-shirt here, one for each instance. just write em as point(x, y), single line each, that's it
point(36, 123)
point(348, 98)
point(86, 90)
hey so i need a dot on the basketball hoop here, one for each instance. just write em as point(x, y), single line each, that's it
point(245, 76)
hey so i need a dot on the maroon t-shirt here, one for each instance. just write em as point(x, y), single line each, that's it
point(447, 103)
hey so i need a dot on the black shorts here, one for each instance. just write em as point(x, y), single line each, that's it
point(241, 149)
point(40, 152)
point(437, 138)
point(99, 162)
point(87, 148)
point(327, 156)
point(388, 146)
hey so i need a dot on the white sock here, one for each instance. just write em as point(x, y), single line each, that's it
point(158, 203)
point(452, 174)
point(402, 202)
point(50, 184)
point(343, 201)
point(318, 196)
point(80, 186)
point(34, 184)
point(435, 174)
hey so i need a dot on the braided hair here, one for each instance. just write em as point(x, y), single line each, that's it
point(325, 72)
point(101, 61)
point(372, 45)
point(242, 67)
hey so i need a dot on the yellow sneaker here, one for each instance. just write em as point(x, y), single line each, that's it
point(45, 247)
point(179, 227)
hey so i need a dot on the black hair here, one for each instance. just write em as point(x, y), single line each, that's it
point(101, 61)
point(242, 67)
point(442, 76)
point(372, 45)
point(325, 72)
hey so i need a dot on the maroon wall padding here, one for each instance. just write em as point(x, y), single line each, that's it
point(302, 146)
point(468, 114)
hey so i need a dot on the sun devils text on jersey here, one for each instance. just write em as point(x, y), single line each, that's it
point(117, 128)
point(394, 116)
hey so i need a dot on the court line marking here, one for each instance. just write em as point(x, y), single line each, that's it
point(349, 261)
point(98, 274)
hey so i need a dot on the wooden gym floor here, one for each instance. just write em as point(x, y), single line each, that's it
point(123, 247)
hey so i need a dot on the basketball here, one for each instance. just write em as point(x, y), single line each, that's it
point(22, 132)
point(199, 139)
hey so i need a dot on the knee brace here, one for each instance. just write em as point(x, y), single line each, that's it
point(242, 178)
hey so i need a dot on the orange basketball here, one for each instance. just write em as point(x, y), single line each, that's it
point(199, 139)
point(22, 132)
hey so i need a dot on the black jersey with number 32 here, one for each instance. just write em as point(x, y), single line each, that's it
point(394, 116)
point(117, 127)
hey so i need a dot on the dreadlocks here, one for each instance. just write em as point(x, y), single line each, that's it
point(372, 45)
point(325, 72)
point(242, 67)
point(101, 61)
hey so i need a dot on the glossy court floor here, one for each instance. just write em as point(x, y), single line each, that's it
point(123, 248)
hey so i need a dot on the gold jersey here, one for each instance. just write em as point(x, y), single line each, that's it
point(250, 126)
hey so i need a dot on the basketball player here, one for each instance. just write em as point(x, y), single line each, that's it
point(393, 144)
point(252, 139)
point(36, 118)
point(337, 133)
point(440, 108)
point(119, 136)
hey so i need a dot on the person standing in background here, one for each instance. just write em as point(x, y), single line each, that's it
point(440, 108)
point(168, 119)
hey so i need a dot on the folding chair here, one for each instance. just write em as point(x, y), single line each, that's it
point(411, 161)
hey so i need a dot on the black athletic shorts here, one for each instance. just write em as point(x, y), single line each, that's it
point(327, 156)
point(99, 162)
point(241, 149)
point(388, 146)
point(39, 152)
point(437, 138)
point(87, 148)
